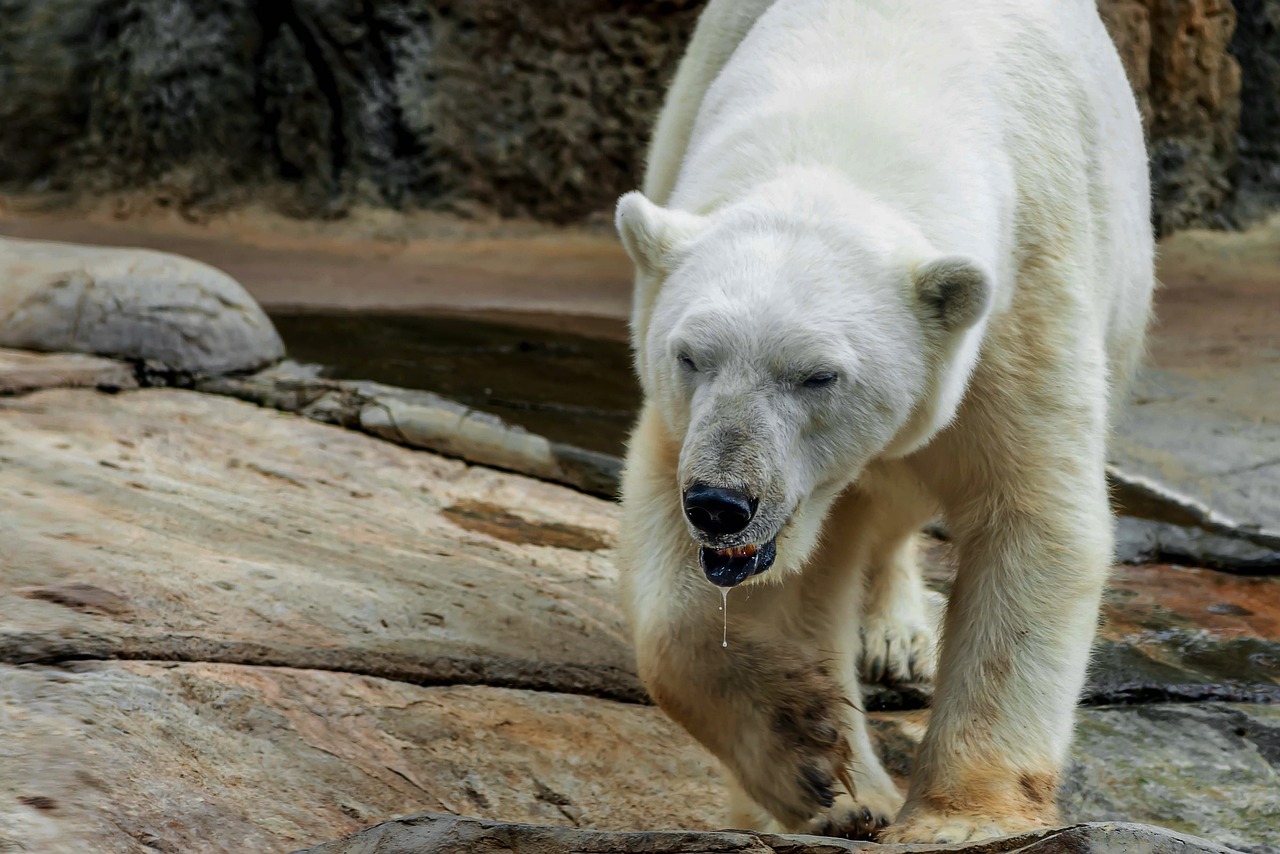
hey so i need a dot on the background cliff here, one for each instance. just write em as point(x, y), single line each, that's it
point(521, 109)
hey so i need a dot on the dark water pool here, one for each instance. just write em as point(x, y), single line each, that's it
point(568, 387)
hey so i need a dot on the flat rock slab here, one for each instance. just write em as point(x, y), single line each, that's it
point(22, 372)
point(142, 757)
point(177, 313)
point(1204, 424)
point(443, 834)
point(171, 525)
point(164, 524)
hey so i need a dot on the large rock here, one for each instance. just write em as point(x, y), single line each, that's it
point(1208, 769)
point(533, 108)
point(424, 420)
point(174, 313)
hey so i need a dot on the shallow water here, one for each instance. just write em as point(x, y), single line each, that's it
point(568, 387)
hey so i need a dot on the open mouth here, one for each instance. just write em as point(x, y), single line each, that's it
point(731, 567)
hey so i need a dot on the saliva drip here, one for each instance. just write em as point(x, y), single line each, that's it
point(724, 606)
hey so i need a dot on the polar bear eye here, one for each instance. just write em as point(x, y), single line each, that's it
point(687, 363)
point(820, 379)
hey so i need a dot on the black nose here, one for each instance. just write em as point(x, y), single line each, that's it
point(718, 511)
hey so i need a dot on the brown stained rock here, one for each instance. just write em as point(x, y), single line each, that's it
point(1172, 632)
point(494, 521)
point(1158, 598)
point(22, 372)
point(79, 597)
point(174, 312)
point(1168, 633)
point(236, 533)
point(108, 757)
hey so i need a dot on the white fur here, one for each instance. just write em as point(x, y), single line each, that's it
point(945, 205)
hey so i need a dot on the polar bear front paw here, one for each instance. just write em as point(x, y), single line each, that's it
point(901, 645)
point(936, 828)
point(797, 759)
point(859, 817)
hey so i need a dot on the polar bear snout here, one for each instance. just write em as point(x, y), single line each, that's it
point(731, 567)
point(722, 513)
point(718, 511)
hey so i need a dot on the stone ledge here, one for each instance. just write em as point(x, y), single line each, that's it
point(446, 834)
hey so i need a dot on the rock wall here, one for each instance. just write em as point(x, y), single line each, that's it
point(537, 109)
point(1256, 45)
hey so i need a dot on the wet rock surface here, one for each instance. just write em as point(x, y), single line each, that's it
point(176, 314)
point(576, 389)
point(537, 109)
point(227, 628)
point(1177, 633)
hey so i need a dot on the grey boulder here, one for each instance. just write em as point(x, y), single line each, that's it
point(176, 314)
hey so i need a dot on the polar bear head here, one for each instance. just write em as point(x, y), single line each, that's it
point(784, 352)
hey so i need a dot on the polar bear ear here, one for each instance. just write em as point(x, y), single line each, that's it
point(650, 232)
point(953, 292)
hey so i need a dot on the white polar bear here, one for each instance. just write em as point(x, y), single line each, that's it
point(893, 257)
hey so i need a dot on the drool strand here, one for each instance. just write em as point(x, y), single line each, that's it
point(724, 606)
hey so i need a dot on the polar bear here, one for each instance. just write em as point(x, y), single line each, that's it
point(893, 259)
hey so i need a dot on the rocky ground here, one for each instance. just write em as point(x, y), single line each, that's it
point(262, 613)
point(228, 628)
